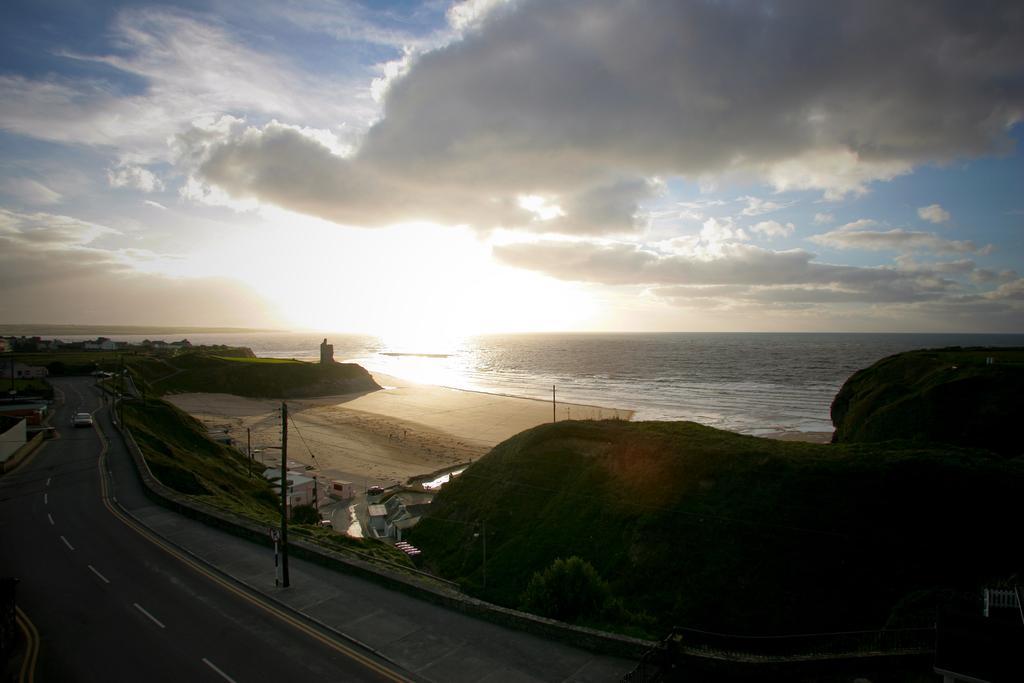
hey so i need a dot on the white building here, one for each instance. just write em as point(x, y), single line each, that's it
point(302, 490)
point(13, 436)
point(22, 371)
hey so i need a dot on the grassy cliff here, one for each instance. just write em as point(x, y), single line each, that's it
point(940, 396)
point(697, 527)
point(182, 457)
point(246, 376)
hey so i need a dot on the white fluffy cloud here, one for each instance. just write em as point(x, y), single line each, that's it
point(933, 213)
point(137, 177)
point(773, 229)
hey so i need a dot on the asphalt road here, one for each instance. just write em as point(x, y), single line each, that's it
point(112, 604)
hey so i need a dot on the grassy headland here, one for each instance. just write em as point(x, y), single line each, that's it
point(698, 527)
point(936, 396)
point(246, 375)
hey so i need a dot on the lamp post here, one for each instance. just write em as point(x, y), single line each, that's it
point(282, 532)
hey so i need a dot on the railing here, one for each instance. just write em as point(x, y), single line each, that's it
point(1000, 599)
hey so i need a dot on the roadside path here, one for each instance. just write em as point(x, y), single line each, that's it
point(429, 641)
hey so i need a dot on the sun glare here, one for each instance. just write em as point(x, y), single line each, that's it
point(421, 287)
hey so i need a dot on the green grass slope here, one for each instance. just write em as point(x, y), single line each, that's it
point(254, 377)
point(183, 458)
point(939, 396)
point(697, 527)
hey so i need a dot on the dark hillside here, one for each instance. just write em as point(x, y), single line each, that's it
point(939, 396)
point(698, 527)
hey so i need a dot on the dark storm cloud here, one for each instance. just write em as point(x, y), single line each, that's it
point(584, 102)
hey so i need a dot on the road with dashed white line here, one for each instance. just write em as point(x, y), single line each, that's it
point(110, 604)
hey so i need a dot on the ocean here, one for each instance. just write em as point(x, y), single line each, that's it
point(753, 383)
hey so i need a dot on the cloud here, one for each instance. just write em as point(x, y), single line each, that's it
point(743, 275)
point(31, 191)
point(734, 264)
point(47, 231)
point(50, 269)
point(855, 236)
point(823, 218)
point(293, 168)
point(192, 69)
point(470, 14)
point(128, 175)
point(565, 99)
point(773, 229)
point(933, 213)
point(757, 206)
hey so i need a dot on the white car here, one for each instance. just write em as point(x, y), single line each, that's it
point(82, 420)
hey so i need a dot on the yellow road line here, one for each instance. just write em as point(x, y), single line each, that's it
point(28, 664)
point(184, 559)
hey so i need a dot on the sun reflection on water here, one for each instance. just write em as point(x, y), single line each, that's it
point(435, 357)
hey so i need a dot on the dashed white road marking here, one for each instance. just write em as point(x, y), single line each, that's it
point(49, 517)
point(213, 666)
point(46, 499)
point(102, 578)
point(48, 481)
point(67, 543)
point(151, 617)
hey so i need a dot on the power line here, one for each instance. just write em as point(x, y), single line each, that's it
point(303, 439)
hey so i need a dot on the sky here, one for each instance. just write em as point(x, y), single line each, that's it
point(420, 169)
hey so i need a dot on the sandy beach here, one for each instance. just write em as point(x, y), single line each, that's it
point(386, 436)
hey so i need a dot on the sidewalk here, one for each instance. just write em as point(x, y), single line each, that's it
point(434, 643)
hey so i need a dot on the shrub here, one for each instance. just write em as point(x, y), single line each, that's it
point(305, 514)
point(567, 590)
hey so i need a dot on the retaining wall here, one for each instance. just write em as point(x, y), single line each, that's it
point(424, 586)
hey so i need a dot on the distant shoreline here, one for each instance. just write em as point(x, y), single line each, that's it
point(57, 329)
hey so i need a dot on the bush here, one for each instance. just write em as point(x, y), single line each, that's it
point(567, 590)
point(305, 514)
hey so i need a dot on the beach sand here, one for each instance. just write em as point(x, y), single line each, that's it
point(386, 436)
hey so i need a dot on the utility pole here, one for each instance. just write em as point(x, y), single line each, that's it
point(248, 448)
point(284, 494)
point(553, 418)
